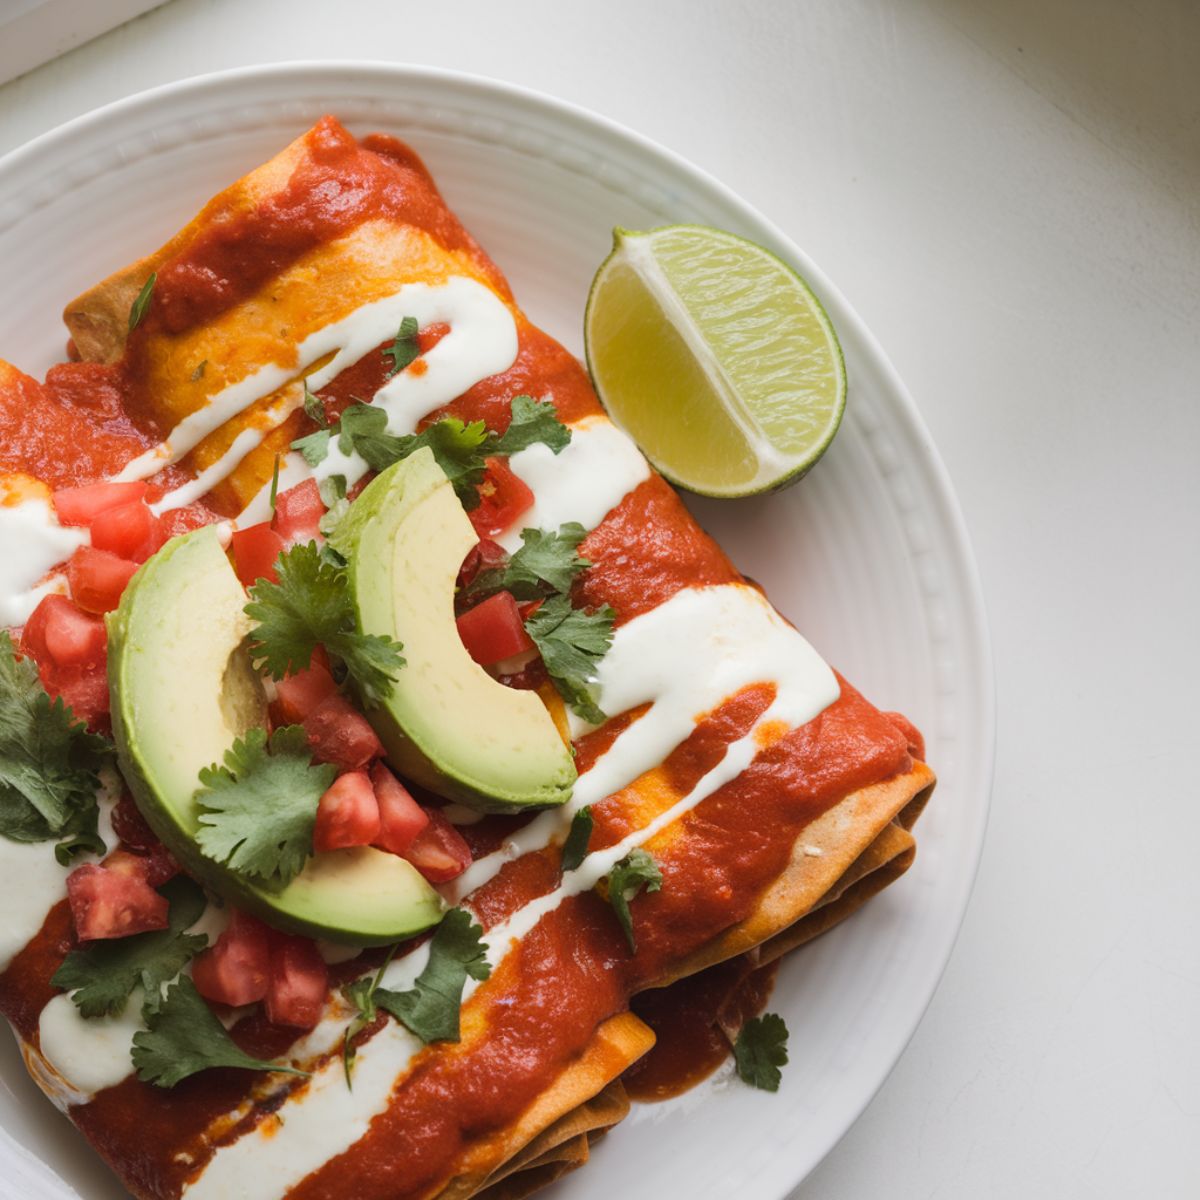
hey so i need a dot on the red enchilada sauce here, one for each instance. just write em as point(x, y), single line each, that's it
point(574, 970)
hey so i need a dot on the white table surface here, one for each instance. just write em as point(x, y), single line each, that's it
point(1009, 192)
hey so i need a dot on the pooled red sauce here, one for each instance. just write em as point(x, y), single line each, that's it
point(693, 1020)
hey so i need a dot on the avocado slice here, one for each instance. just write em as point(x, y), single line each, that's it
point(183, 689)
point(446, 723)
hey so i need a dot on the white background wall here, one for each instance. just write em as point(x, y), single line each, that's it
point(1009, 192)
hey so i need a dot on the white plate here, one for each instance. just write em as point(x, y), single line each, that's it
point(868, 554)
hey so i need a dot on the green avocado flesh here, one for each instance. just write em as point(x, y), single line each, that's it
point(182, 690)
point(446, 723)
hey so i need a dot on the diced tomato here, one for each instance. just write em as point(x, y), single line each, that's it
point(97, 578)
point(82, 505)
point(483, 555)
point(297, 982)
point(439, 851)
point(431, 335)
point(128, 530)
point(183, 520)
point(130, 826)
point(300, 694)
point(401, 818)
point(298, 512)
point(59, 634)
point(338, 733)
point(254, 553)
point(503, 497)
point(112, 904)
point(154, 866)
point(236, 968)
point(347, 815)
point(84, 692)
point(493, 631)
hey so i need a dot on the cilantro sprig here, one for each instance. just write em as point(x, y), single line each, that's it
point(405, 348)
point(430, 1009)
point(461, 449)
point(49, 764)
point(102, 975)
point(309, 606)
point(575, 848)
point(572, 641)
point(257, 810)
point(636, 872)
point(760, 1050)
point(183, 1037)
point(361, 993)
point(141, 304)
point(546, 562)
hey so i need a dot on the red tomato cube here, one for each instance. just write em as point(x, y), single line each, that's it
point(81, 505)
point(484, 554)
point(59, 634)
point(493, 631)
point(236, 968)
point(254, 553)
point(113, 904)
point(503, 497)
point(338, 733)
point(297, 982)
point(298, 512)
point(401, 818)
point(439, 851)
point(298, 695)
point(347, 815)
point(97, 578)
point(127, 530)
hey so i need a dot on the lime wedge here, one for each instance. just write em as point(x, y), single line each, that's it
point(715, 357)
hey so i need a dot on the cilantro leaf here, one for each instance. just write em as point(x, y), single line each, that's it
point(314, 407)
point(310, 605)
point(532, 421)
point(257, 811)
point(575, 848)
point(361, 993)
point(546, 562)
point(137, 310)
point(405, 348)
point(184, 1037)
point(637, 870)
point(333, 496)
point(360, 422)
point(760, 1050)
point(572, 642)
point(103, 974)
point(49, 763)
point(314, 447)
point(431, 1008)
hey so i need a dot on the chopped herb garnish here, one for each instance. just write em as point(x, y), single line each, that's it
point(49, 763)
point(575, 848)
point(137, 310)
point(184, 1037)
point(309, 606)
point(405, 348)
point(431, 1008)
point(103, 974)
point(635, 872)
point(760, 1050)
point(361, 993)
point(546, 562)
point(313, 448)
point(257, 810)
point(333, 495)
point(314, 406)
point(572, 642)
point(274, 486)
point(198, 373)
point(532, 421)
